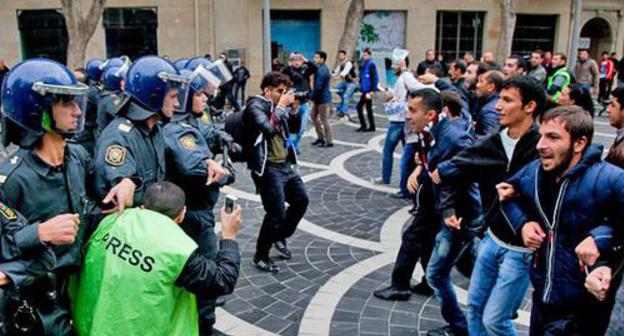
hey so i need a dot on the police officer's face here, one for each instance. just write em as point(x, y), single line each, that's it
point(199, 102)
point(170, 103)
point(66, 114)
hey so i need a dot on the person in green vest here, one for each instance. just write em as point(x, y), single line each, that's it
point(141, 270)
point(559, 79)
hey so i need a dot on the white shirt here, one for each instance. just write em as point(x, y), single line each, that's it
point(347, 67)
point(405, 83)
point(508, 143)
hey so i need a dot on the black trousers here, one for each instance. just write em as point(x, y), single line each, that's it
point(369, 112)
point(240, 87)
point(418, 239)
point(587, 318)
point(279, 184)
point(604, 89)
point(200, 226)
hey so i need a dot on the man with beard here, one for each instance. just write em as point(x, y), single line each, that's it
point(569, 199)
point(536, 70)
point(484, 111)
point(559, 79)
point(500, 276)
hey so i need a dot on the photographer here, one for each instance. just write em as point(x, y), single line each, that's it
point(271, 157)
point(141, 270)
point(300, 72)
point(322, 100)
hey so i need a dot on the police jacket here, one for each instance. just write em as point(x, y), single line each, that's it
point(128, 148)
point(41, 192)
point(258, 127)
point(589, 203)
point(186, 154)
point(107, 109)
point(486, 116)
point(461, 199)
point(485, 162)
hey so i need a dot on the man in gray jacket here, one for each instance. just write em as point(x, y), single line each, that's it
point(586, 72)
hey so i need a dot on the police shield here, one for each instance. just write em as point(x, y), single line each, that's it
point(65, 95)
point(174, 81)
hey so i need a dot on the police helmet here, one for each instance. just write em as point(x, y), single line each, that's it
point(149, 79)
point(93, 69)
point(113, 77)
point(181, 63)
point(203, 79)
point(33, 87)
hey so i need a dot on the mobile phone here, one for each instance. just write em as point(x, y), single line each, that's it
point(230, 203)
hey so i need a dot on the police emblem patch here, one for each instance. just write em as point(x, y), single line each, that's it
point(7, 212)
point(115, 155)
point(188, 142)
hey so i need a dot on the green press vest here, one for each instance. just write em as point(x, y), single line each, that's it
point(127, 285)
point(561, 72)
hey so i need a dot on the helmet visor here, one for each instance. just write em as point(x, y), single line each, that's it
point(68, 106)
point(179, 83)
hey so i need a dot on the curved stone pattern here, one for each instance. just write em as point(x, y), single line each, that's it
point(343, 250)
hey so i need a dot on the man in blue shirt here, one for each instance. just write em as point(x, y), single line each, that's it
point(322, 101)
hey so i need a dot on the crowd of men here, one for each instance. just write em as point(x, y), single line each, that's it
point(110, 179)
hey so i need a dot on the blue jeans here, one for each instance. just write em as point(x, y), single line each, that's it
point(447, 248)
point(499, 281)
point(304, 112)
point(345, 91)
point(407, 165)
point(394, 135)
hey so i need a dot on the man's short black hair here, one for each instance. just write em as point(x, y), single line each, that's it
point(539, 52)
point(453, 102)
point(582, 97)
point(429, 98)
point(165, 198)
point(519, 61)
point(482, 67)
point(460, 65)
point(530, 90)
point(618, 94)
point(368, 51)
point(576, 121)
point(322, 55)
point(274, 79)
point(435, 69)
point(342, 51)
point(495, 77)
point(561, 55)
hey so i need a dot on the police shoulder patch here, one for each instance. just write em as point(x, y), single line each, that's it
point(126, 128)
point(188, 142)
point(7, 212)
point(115, 155)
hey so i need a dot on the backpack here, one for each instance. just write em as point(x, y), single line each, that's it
point(234, 126)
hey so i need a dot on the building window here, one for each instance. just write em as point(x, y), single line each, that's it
point(43, 34)
point(534, 32)
point(458, 33)
point(131, 32)
point(295, 30)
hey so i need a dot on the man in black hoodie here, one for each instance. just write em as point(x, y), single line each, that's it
point(500, 276)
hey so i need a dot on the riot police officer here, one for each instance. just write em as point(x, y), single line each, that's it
point(47, 179)
point(111, 97)
point(132, 145)
point(94, 71)
point(191, 149)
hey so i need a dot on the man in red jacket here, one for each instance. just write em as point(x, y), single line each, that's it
point(607, 70)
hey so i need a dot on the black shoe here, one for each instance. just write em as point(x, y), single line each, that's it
point(319, 143)
point(445, 331)
point(413, 211)
point(361, 129)
point(370, 129)
point(220, 301)
point(266, 265)
point(399, 195)
point(329, 145)
point(392, 294)
point(422, 289)
point(282, 250)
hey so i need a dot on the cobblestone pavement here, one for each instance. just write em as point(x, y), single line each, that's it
point(343, 250)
